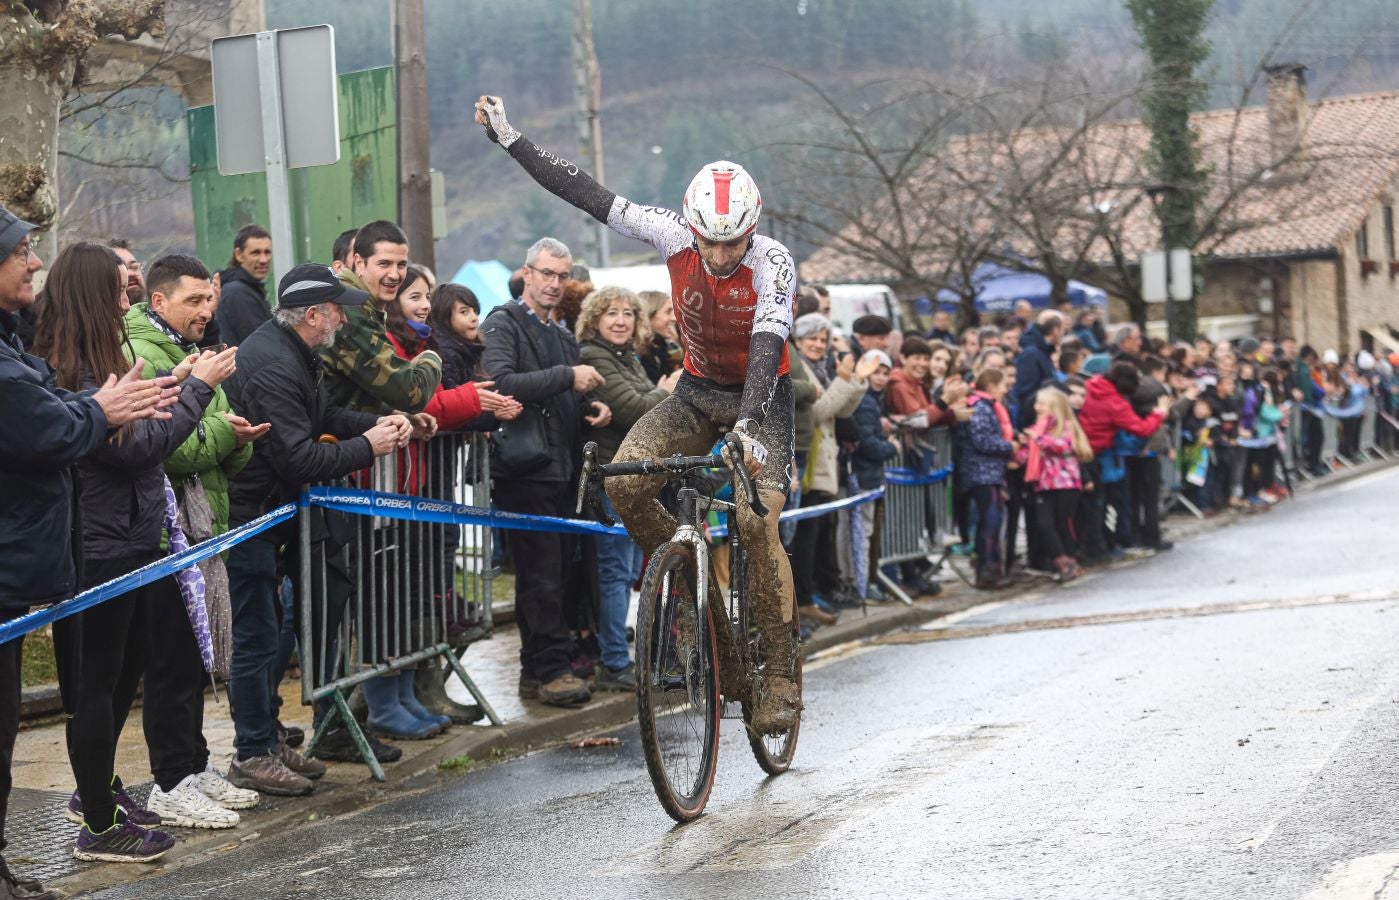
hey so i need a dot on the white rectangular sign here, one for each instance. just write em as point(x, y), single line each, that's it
point(304, 76)
point(1154, 276)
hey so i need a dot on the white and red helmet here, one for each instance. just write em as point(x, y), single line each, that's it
point(722, 202)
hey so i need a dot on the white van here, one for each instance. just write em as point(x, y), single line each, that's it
point(850, 301)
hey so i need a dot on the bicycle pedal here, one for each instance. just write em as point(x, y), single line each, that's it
point(732, 709)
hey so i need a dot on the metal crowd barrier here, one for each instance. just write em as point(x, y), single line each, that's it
point(916, 504)
point(1369, 445)
point(382, 595)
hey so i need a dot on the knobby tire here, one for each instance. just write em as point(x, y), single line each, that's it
point(656, 639)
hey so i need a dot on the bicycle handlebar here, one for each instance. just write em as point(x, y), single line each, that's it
point(594, 473)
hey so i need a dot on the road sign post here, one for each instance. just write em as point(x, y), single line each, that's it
point(276, 108)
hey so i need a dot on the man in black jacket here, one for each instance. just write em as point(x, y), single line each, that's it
point(44, 430)
point(279, 382)
point(534, 360)
point(243, 303)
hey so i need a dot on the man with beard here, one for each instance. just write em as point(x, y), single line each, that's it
point(188, 792)
point(282, 385)
point(135, 279)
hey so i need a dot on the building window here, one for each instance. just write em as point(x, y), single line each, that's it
point(1389, 231)
point(1362, 241)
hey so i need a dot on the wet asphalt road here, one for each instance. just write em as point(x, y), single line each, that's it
point(1232, 755)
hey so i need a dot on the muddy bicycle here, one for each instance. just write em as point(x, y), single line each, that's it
point(681, 632)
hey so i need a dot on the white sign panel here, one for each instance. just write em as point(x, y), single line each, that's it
point(1182, 278)
point(1154, 276)
point(304, 78)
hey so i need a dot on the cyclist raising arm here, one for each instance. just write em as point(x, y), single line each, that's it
point(732, 294)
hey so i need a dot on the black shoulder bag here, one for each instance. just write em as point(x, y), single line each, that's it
point(522, 444)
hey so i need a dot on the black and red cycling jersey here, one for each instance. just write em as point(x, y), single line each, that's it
point(734, 328)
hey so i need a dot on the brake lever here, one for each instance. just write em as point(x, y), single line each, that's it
point(585, 479)
point(734, 446)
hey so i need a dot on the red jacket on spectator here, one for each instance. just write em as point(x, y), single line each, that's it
point(451, 407)
point(1105, 411)
point(904, 396)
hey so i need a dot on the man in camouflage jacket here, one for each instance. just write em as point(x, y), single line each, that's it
point(362, 370)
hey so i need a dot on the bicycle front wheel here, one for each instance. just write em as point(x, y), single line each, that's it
point(677, 683)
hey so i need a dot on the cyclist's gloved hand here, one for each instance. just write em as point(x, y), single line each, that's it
point(490, 112)
point(754, 453)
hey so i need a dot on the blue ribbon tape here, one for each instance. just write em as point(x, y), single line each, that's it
point(811, 512)
point(424, 509)
point(161, 568)
point(911, 477)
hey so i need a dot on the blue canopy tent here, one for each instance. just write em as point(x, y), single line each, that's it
point(488, 279)
point(999, 288)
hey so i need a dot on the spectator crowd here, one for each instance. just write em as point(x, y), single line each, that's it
point(144, 408)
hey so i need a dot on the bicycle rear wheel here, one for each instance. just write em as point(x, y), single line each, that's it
point(677, 683)
point(774, 752)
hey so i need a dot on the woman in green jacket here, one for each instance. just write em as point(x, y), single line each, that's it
point(610, 329)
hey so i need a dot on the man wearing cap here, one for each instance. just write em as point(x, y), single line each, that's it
point(871, 333)
point(280, 384)
point(44, 430)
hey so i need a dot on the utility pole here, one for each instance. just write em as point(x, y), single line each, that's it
point(414, 154)
point(587, 96)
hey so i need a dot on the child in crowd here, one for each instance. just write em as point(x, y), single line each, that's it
point(985, 444)
point(872, 452)
point(1051, 450)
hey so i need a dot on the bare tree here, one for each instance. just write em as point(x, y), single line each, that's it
point(43, 48)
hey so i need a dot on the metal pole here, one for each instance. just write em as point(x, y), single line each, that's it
point(274, 152)
point(587, 93)
point(414, 135)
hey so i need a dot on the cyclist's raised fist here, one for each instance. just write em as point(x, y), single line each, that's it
point(490, 112)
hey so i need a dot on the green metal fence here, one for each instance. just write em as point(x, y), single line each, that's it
point(326, 200)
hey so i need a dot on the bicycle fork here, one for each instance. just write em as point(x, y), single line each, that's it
point(691, 536)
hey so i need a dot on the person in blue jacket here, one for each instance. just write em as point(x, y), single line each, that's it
point(44, 431)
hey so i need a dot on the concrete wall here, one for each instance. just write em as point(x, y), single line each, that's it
point(1371, 301)
point(1312, 287)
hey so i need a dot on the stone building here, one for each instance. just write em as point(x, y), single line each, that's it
point(1298, 222)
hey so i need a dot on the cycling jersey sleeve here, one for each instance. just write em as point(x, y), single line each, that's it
point(774, 282)
point(661, 228)
point(562, 178)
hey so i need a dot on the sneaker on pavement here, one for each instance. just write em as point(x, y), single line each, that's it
point(293, 735)
point(1163, 545)
point(529, 688)
point(298, 763)
point(185, 806)
point(566, 690)
point(268, 775)
point(815, 614)
point(127, 810)
point(213, 785)
point(135, 812)
point(123, 842)
point(621, 680)
point(582, 666)
point(336, 745)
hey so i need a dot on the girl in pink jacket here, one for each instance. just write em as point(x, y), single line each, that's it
point(1050, 452)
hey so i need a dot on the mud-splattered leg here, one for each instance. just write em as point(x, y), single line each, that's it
point(673, 426)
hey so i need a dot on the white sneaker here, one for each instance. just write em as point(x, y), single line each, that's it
point(213, 785)
point(187, 807)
